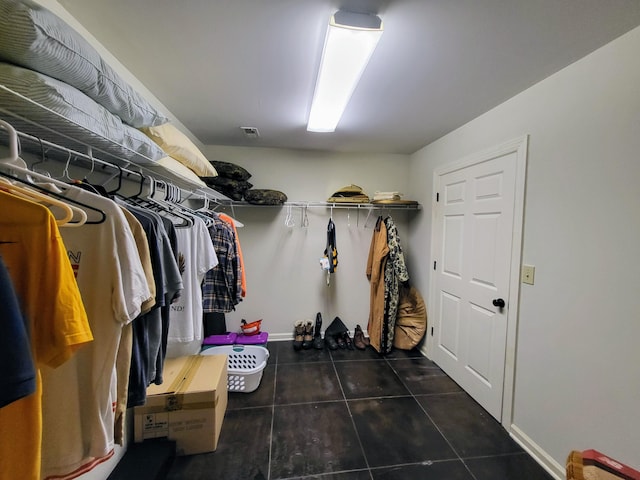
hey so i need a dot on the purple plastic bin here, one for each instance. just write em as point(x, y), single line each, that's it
point(225, 339)
point(258, 339)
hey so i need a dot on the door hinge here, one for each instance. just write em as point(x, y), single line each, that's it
point(432, 331)
point(434, 264)
point(437, 196)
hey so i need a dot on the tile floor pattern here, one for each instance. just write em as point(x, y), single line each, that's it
point(355, 415)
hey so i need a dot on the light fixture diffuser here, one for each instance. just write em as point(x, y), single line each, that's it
point(351, 39)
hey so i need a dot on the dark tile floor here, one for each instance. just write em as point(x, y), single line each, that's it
point(354, 415)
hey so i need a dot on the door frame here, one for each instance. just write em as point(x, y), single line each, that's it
point(519, 146)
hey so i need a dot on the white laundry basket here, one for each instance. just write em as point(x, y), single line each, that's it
point(245, 364)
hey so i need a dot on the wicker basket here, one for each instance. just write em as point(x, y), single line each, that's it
point(245, 364)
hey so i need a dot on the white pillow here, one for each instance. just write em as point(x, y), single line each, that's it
point(175, 166)
point(177, 145)
point(33, 37)
point(69, 112)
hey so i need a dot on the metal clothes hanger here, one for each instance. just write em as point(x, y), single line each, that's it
point(43, 155)
point(288, 221)
point(82, 205)
point(65, 170)
point(165, 206)
point(114, 191)
point(203, 213)
point(142, 179)
point(14, 164)
point(37, 197)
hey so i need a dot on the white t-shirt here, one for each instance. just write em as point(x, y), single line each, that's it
point(79, 404)
point(196, 251)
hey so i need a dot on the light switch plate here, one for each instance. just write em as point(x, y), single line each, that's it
point(528, 274)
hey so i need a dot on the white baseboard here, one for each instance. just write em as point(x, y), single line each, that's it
point(554, 469)
point(280, 337)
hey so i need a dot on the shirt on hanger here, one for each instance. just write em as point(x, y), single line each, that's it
point(142, 243)
point(18, 375)
point(197, 257)
point(175, 286)
point(81, 395)
point(42, 277)
point(147, 328)
point(123, 359)
point(243, 278)
point(219, 287)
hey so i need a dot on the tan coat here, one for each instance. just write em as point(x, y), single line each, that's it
point(376, 263)
point(411, 321)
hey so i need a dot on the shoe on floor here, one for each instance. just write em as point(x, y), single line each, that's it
point(347, 340)
point(330, 341)
point(307, 340)
point(298, 335)
point(359, 340)
point(317, 336)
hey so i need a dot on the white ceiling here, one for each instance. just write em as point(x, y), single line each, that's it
point(218, 65)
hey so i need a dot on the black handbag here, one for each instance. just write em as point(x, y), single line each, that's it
point(336, 328)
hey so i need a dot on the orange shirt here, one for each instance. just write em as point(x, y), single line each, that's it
point(243, 279)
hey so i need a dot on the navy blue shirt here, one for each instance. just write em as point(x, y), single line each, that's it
point(17, 376)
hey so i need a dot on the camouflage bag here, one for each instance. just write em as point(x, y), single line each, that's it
point(230, 170)
point(234, 189)
point(265, 197)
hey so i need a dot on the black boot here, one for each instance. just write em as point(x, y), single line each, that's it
point(317, 337)
point(359, 340)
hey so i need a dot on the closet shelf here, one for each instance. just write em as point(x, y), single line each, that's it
point(63, 146)
point(336, 205)
point(28, 116)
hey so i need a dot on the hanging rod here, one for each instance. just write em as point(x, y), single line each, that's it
point(336, 205)
point(74, 153)
point(189, 190)
point(13, 103)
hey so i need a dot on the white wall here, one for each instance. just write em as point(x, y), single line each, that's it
point(577, 382)
point(284, 279)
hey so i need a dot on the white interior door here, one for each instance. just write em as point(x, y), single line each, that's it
point(473, 255)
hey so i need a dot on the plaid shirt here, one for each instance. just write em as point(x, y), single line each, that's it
point(220, 286)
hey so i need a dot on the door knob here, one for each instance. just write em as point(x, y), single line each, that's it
point(498, 302)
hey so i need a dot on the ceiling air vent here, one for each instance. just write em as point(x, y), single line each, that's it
point(250, 132)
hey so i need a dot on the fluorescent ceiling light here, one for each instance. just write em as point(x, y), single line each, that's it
point(350, 41)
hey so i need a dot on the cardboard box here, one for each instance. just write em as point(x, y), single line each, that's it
point(189, 406)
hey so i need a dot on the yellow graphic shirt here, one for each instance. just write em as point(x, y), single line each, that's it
point(34, 253)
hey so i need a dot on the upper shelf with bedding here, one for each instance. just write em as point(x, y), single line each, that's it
point(55, 85)
point(33, 37)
